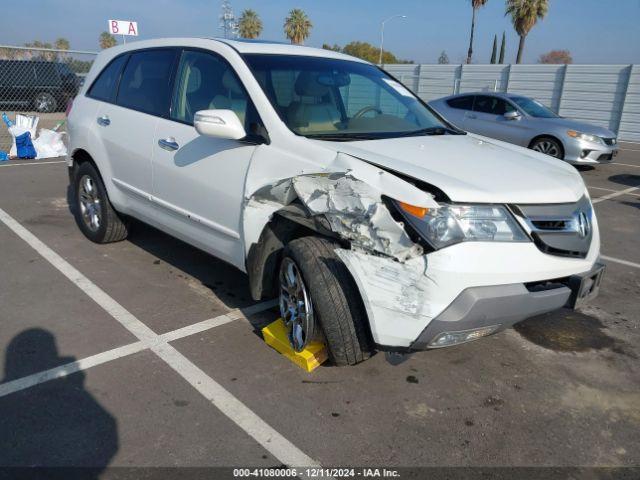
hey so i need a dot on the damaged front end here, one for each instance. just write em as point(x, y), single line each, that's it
point(346, 201)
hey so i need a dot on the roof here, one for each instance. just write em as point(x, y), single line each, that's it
point(241, 46)
point(491, 93)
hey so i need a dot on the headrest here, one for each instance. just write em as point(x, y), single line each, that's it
point(230, 82)
point(307, 85)
point(194, 79)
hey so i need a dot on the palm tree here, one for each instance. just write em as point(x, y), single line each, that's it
point(250, 25)
point(297, 26)
point(475, 5)
point(524, 15)
point(107, 40)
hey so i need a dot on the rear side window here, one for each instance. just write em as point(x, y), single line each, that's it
point(461, 103)
point(104, 88)
point(493, 105)
point(146, 82)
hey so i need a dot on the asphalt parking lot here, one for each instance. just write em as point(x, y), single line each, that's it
point(146, 353)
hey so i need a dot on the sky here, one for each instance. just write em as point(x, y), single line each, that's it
point(594, 31)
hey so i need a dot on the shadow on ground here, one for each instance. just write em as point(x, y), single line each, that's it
point(54, 424)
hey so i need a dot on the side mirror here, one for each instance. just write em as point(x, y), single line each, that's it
point(512, 115)
point(219, 124)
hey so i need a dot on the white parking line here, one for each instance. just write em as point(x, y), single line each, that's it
point(32, 163)
point(270, 439)
point(615, 194)
point(612, 190)
point(620, 261)
point(626, 164)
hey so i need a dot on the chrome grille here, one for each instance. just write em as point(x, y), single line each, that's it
point(559, 229)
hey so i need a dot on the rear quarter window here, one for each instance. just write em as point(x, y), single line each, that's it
point(104, 87)
point(461, 103)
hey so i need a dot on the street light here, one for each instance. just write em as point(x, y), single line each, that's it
point(382, 33)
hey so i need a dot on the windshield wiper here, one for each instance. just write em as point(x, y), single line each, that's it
point(343, 137)
point(431, 131)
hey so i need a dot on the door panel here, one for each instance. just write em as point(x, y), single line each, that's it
point(488, 119)
point(198, 182)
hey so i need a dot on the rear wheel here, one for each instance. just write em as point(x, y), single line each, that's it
point(94, 214)
point(548, 146)
point(45, 103)
point(319, 300)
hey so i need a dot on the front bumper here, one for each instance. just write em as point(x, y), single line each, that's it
point(579, 152)
point(480, 311)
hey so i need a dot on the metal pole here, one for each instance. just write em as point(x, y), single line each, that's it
point(382, 35)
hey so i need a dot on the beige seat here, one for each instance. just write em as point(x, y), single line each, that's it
point(228, 102)
point(313, 113)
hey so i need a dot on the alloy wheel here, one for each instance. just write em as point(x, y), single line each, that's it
point(296, 308)
point(547, 147)
point(89, 200)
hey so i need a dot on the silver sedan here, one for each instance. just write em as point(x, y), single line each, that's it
point(526, 122)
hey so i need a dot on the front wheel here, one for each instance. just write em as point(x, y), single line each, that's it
point(548, 146)
point(319, 300)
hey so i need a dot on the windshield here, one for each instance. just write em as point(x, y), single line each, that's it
point(334, 99)
point(533, 107)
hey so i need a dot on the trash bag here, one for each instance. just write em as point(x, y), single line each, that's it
point(49, 144)
point(24, 146)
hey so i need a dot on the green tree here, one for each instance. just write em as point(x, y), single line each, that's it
point(297, 26)
point(249, 25)
point(368, 52)
point(503, 47)
point(475, 5)
point(335, 47)
point(443, 59)
point(107, 40)
point(39, 55)
point(494, 50)
point(524, 15)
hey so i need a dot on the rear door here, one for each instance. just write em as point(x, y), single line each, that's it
point(127, 125)
point(198, 181)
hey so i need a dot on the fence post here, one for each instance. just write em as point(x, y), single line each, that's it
point(624, 99)
point(506, 86)
point(561, 93)
point(417, 85)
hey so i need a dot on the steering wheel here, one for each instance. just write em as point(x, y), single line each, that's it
point(368, 109)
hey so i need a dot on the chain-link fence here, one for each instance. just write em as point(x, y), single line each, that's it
point(39, 81)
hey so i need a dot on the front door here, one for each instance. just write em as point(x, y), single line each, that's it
point(198, 182)
point(488, 119)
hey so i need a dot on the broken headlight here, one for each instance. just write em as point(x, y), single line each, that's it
point(452, 224)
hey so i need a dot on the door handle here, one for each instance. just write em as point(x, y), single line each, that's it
point(471, 115)
point(168, 144)
point(104, 121)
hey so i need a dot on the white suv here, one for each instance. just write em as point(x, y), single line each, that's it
point(376, 223)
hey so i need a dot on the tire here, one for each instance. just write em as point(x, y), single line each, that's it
point(44, 102)
point(549, 146)
point(109, 227)
point(338, 310)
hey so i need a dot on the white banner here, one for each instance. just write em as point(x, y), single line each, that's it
point(123, 27)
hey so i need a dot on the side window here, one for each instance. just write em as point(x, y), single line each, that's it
point(205, 81)
point(104, 87)
point(145, 83)
point(492, 105)
point(461, 103)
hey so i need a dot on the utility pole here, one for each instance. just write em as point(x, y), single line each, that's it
point(228, 23)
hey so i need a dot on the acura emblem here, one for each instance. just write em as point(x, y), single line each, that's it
point(583, 225)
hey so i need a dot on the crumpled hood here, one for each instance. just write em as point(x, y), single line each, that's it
point(470, 168)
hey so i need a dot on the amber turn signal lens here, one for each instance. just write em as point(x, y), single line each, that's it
point(419, 212)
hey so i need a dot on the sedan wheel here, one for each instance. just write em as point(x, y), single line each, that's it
point(548, 146)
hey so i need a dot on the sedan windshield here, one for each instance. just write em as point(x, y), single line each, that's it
point(533, 108)
point(334, 99)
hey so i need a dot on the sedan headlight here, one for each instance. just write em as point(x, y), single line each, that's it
point(451, 224)
point(584, 136)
